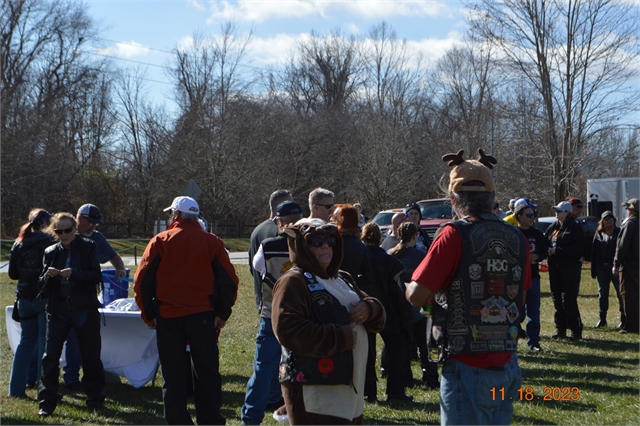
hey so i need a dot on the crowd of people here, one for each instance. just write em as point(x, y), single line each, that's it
point(325, 285)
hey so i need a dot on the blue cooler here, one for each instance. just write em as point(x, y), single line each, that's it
point(114, 289)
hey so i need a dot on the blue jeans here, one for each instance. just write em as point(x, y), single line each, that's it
point(466, 396)
point(32, 339)
point(604, 276)
point(532, 310)
point(74, 361)
point(263, 386)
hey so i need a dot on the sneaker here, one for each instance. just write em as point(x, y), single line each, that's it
point(559, 335)
point(280, 415)
point(536, 348)
point(43, 412)
point(623, 331)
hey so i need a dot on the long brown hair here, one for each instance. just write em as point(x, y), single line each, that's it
point(601, 223)
point(406, 231)
point(38, 219)
point(371, 234)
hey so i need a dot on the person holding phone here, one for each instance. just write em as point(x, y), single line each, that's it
point(70, 280)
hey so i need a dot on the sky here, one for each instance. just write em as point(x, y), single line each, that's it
point(141, 33)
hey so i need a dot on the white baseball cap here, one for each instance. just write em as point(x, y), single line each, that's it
point(563, 206)
point(185, 205)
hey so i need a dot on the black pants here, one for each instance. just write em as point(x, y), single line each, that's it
point(173, 334)
point(371, 380)
point(564, 281)
point(429, 369)
point(395, 354)
point(86, 325)
point(630, 296)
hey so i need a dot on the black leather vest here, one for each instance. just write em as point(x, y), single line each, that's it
point(334, 370)
point(484, 299)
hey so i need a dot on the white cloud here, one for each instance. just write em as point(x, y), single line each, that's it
point(433, 49)
point(353, 28)
point(274, 50)
point(197, 4)
point(129, 49)
point(278, 50)
point(262, 10)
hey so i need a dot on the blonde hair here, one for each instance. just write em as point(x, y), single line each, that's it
point(57, 218)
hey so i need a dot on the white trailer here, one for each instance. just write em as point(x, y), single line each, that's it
point(614, 190)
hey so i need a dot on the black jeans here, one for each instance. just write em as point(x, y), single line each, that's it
point(395, 354)
point(173, 334)
point(630, 295)
point(564, 281)
point(86, 325)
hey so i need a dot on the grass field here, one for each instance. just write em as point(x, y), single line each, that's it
point(603, 367)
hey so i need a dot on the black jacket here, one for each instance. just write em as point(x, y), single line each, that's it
point(25, 263)
point(356, 262)
point(389, 290)
point(627, 255)
point(603, 252)
point(85, 278)
point(569, 244)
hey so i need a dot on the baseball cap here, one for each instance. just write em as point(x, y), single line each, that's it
point(631, 204)
point(91, 213)
point(563, 206)
point(287, 208)
point(575, 201)
point(185, 205)
point(524, 202)
point(607, 214)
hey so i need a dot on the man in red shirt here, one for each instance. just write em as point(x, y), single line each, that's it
point(185, 288)
point(478, 272)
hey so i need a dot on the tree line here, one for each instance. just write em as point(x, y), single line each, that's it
point(545, 87)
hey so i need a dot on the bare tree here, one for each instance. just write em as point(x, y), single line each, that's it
point(55, 117)
point(578, 56)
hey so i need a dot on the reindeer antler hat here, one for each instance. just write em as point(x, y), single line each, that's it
point(470, 171)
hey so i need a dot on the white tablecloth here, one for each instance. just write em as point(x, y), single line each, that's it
point(128, 347)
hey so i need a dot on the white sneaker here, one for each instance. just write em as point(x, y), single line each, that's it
point(280, 415)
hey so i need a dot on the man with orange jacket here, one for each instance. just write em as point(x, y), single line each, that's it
point(185, 287)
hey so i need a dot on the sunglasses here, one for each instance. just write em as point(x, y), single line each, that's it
point(530, 215)
point(319, 242)
point(66, 231)
point(326, 206)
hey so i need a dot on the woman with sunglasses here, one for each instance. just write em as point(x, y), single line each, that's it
point(25, 266)
point(525, 217)
point(321, 318)
point(566, 247)
point(71, 279)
